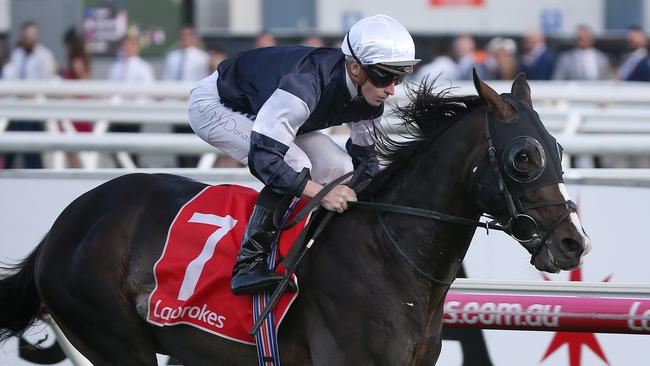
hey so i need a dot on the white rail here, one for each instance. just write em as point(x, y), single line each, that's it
point(113, 142)
point(564, 93)
point(169, 111)
point(190, 144)
point(544, 92)
point(94, 89)
point(551, 288)
point(594, 118)
point(173, 111)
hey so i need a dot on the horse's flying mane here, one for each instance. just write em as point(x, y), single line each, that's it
point(427, 115)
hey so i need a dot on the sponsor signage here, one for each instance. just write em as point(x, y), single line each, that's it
point(547, 313)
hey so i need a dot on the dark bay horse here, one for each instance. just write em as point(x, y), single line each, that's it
point(372, 288)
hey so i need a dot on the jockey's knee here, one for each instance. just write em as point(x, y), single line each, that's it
point(325, 172)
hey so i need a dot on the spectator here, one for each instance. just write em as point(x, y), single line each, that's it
point(78, 67)
point(538, 61)
point(503, 58)
point(129, 66)
point(636, 66)
point(468, 58)
point(188, 62)
point(215, 56)
point(265, 39)
point(313, 41)
point(583, 62)
point(441, 69)
point(30, 60)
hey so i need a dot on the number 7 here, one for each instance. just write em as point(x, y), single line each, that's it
point(195, 267)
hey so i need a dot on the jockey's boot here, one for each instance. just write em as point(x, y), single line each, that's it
point(251, 273)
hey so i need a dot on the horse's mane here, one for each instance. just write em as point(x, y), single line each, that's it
point(427, 115)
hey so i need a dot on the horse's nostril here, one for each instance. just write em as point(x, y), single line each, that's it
point(571, 245)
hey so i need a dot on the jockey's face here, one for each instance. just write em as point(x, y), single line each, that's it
point(373, 94)
point(376, 96)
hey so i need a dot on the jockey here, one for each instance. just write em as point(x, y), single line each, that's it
point(265, 107)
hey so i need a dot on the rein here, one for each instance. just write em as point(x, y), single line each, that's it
point(420, 212)
point(406, 257)
point(533, 244)
point(429, 214)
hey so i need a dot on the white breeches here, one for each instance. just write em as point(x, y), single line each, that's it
point(230, 131)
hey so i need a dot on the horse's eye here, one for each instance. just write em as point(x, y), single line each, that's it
point(522, 157)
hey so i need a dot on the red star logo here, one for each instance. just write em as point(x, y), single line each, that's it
point(575, 340)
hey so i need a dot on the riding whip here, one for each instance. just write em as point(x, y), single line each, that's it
point(290, 263)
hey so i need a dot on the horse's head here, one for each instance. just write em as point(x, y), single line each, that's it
point(519, 181)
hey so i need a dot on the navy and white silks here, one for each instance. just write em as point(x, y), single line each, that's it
point(265, 107)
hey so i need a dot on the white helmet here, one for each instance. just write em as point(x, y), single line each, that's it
point(380, 39)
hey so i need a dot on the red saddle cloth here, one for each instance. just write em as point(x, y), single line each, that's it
point(194, 271)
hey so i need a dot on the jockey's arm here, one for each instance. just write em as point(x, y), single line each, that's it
point(361, 147)
point(274, 130)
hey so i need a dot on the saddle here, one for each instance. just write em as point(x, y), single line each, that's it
point(192, 276)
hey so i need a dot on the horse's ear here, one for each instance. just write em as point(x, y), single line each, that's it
point(521, 89)
point(495, 104)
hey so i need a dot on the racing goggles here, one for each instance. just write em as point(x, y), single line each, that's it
point(383, 76)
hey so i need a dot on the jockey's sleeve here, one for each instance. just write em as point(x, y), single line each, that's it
point(361, 147)
point(362, 132)
point(275, 128)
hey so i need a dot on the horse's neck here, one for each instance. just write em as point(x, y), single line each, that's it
point(440, 181)
point(437, 181)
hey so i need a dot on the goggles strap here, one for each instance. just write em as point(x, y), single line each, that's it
point(347, 38)
point(361, 79)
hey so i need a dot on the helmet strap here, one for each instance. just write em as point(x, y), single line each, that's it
point(359, 77)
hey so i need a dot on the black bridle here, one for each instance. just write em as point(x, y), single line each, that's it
point(520, 225)
point(518, 217)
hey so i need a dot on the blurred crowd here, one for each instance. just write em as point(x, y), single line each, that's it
point(189, 61)
point(500, 58)
point(30, 60)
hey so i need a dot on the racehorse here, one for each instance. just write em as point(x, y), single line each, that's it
point(371, 290)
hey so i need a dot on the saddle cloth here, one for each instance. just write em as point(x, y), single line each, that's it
point(194, 271)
